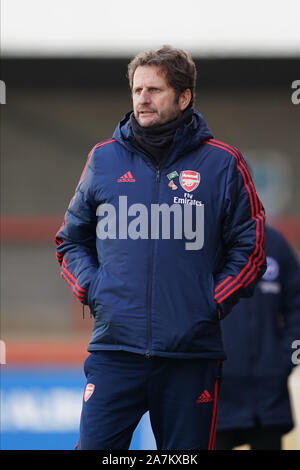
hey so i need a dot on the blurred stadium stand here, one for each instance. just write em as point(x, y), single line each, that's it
point(56, 110)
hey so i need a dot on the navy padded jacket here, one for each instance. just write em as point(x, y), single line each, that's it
point(258, 337)
point(150, 294)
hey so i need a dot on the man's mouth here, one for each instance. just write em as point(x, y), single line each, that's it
point(145, 112)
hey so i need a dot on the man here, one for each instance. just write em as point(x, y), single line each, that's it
point(258, 337)
point(164, 234)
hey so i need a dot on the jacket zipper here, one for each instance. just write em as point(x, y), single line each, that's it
point(149, 328)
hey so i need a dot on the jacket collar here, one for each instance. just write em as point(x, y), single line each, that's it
point(187, 138)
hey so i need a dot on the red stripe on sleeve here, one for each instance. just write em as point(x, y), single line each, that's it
point(90, 155)
point(64, 266)
point(253, 261)
point(222, 283)
point(80, 297)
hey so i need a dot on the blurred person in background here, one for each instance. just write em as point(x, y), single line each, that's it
point(254, 406)
point(157, 300)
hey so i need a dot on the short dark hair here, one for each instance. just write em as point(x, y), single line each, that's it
point(178, 65)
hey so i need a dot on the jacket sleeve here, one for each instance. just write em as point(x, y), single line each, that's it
point(242, 236)
point(76, 238)
point(290, 272)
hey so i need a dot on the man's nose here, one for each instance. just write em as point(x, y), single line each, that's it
point(145, 97)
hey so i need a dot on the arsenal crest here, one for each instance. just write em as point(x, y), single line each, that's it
point(189, 180)
point(89, 389)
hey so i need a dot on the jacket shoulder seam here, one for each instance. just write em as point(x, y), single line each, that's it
point(222, 146)
point(102, 144)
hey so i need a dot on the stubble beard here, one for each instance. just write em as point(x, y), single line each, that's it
point(163, 118)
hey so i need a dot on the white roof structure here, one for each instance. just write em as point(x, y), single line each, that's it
point(94, 28)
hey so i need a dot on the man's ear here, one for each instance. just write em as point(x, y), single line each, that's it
point(184, 99)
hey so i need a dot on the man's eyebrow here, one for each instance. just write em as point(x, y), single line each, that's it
point(152, 87)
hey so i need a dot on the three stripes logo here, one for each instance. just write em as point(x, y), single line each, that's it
point(126, 178)
point(205, 397)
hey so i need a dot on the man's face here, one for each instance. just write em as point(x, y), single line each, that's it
point(154, 101)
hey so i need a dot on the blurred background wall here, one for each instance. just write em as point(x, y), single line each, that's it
point(66, 89)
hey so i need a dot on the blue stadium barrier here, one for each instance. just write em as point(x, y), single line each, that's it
point(40, 410)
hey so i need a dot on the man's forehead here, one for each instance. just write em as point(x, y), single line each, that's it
point(147, 74)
